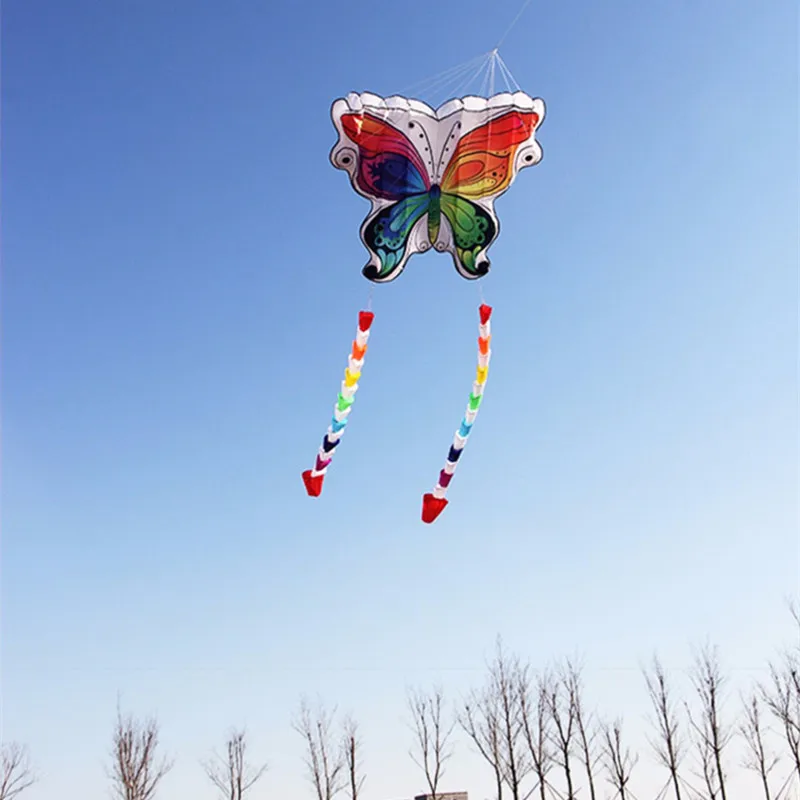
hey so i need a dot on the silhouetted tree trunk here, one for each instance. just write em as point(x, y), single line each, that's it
point(509, 680)
point(432, 731)
point(782, 697)
point(669, 743)
point(16, 773)
point(481, 722)
point(711, 733)
point(136, 770)
point(584, 723)
point(619, 762)
point(325, 757)
point(492, 718)
point(757, 758)
point(352, 758)
point(562, 711)
point(537, 728)
point(232, 775)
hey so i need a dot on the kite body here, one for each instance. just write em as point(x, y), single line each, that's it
point(431, 177)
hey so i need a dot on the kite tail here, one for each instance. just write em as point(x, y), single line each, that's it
point(313, 478)
point(433, 503)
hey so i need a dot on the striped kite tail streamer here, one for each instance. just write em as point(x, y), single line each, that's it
point(313, 478)
point(434, 502)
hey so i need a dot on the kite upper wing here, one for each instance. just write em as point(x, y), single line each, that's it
point(418, 166)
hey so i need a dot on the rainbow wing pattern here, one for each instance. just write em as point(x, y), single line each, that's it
point(432, 176)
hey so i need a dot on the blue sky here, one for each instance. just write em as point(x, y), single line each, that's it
point(181, 281)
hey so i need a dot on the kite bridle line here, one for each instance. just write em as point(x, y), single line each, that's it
point(485, 61)
point(480, 72)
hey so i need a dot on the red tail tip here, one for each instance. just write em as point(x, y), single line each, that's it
point(432, 507)
point(313, 483)
point(365, 320)
point(485, 312)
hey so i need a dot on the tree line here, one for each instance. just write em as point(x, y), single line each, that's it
point(532, 729)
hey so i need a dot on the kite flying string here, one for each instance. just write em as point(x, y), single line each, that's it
point(511, 26)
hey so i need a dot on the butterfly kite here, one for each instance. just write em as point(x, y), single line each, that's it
point(432, 177)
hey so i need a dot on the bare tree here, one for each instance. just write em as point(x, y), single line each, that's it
point(509, 680)
point(537, 728)
point(351, 745)
point(712, 734)
point(16, 773)
point(669, 743)
point(492, 718)
point(136, 770)
point(618, 760)
point(432, 743)
point(782, 696)
point(232, 775)
point(563, 713)
point(757, 757)
point(584, 723)
point(325, 759)
point(480, 720)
